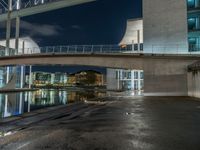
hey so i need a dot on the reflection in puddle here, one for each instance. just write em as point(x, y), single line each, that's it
point(13, 104)
point(3, 134)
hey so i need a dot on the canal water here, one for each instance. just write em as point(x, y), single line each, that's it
point(13, 104)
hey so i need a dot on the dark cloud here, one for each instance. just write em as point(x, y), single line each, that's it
point(36, 29)
point(77, 27)
point(41, 29)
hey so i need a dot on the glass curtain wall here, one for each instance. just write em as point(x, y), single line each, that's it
point(193, 20)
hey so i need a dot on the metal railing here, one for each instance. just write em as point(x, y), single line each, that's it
point(105, 49)
point(26, 4)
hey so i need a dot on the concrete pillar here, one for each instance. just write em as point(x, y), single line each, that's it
point(133, 45)
point(20, 103)
point(30, 77)
point(17, 31)
point(118, 79)
point(21, 76)
point(6, 106)
point(23, 47)
point(8, 27)
point(139, 81)
point(29, 101)
point(132, 79)
point(7, 74)
point(8, 31)
point(138, 39)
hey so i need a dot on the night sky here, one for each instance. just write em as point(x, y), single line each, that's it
point(100, 22)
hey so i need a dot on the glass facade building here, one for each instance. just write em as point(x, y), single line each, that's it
point(193, 7)
point(131, 79)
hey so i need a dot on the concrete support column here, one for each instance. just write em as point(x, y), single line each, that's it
point(138, 39)
point(21, 76)
point(6, 106)
point(17, 32)
point(132, 79)
point(119, 79)
point(30, 77)
point(8, 27)
point(20, 103)
point(139, 80)
point(8, 31)
point(133, 42)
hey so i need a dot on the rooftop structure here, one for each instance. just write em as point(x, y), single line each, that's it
point(26, 45)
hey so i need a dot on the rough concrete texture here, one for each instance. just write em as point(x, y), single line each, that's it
point(165, 85)
point(165, 24)
point(194, 84)
point(115, 123)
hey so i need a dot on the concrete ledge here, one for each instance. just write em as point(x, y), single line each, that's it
point(165, 94)
point(16, 90)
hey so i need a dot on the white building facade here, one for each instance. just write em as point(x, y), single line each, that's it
point(167, 27)
point(17, 73)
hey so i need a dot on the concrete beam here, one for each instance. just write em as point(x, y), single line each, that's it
point(43, 8)
point(163, 75)
point(157, 64)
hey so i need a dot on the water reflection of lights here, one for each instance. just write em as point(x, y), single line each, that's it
point(136, 93)
point(3, 134)
point(13, 104)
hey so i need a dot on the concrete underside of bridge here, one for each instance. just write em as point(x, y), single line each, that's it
point(163, 75)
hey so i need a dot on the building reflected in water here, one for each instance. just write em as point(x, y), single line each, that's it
point(13, 104)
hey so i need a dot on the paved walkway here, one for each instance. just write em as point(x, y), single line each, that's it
point(114, 123)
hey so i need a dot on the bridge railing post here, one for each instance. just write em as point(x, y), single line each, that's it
point(92, 49)
point(83, 49)
point(53, 49)
point(76, 49)
point(101, 48)
point(60, 49)
point(46, 49)
point(67, 49)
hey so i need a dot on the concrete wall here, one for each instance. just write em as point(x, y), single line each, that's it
point(165, 85)
point(194, 84)
point(134, 32)
point(168, 79)
point(112, 82)
point(165, 25)
point(163, 74)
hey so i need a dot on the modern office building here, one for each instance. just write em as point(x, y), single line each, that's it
point(47, 79)
point(170, 27)
point(194, 24)
point(128, 80)
point(59, 79)
point(89, 77)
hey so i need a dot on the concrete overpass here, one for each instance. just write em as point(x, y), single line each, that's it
point(163, 74)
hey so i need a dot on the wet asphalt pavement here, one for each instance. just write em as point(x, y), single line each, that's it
point(115, 123)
